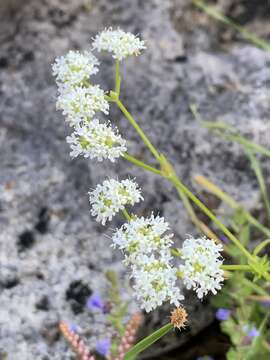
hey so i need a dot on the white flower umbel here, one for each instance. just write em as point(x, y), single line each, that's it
point(201, 270)
point(96, 141)
point(118, 42)
point(79, 104)
point(142, 236)
point(75, 68)
point(111, 196)
point(155, 283)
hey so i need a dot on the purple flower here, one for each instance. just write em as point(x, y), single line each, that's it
point(73, 327)
point(103, 347)
point(95, 302)
point(223, 314)
point(251, 331)
point(254, 332)
point(224, 239)
point(207, 357)
point(266, 303)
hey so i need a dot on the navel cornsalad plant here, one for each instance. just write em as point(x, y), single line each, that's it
point(156, 266)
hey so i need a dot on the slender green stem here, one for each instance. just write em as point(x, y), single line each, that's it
point(211, 11)
point(117, 77)
point(176, 252)
point(236, 267)
point(201, 180)
point(126, 214)
point(255, 164)
point(178, 184)
point(141, 164)
point(261, 246)
point(133, 122)
point(255, 287)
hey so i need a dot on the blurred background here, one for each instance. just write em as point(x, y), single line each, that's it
point(53, 255)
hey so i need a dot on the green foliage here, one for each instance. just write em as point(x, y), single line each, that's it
point(214, 13)
point(118, 311)
point(148, 341)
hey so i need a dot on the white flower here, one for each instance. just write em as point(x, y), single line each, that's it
point(142, 236)
point(75, 68)
point(81, 103)
point(118, 42)
point(155, 283)
point(96, 140)
point(112, 196)
point(201, 269)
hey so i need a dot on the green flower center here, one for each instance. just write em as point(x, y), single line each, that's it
point(84, 142)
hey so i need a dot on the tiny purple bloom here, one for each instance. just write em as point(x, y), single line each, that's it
point(73, 327)
point(103, 347)
point(223, 314)
point(95, 302)
point(224, 239)
point(266, 303)
point(254, 332)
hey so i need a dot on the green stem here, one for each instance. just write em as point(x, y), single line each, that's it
point(261, 246)
point(236, 267)
point(141, 164)
point(133, 122)
point(176, 252)
point(117, 77)
point(178, 184)
point(201, 180)
point(255, 287)
point(126, 214)
point(211, 11)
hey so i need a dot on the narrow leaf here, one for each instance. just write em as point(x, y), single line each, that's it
point(214, 13)
point(256, 166)
point(148, 341)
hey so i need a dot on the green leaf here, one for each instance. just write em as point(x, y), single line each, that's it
point(211, 11)
point(148, 341)
point(256, 166)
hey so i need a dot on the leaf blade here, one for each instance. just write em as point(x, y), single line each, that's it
point(147, 342)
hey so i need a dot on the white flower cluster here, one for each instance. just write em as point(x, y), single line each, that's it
point(79, 104)
point(96, 141)
point(155, 283)
point(143, 236)
point(202, 265)
point(108, 198)
point(121, 44)
point(80, 100)
point(147, 249)
point(75, 68)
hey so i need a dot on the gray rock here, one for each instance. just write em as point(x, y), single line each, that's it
point(44, 193)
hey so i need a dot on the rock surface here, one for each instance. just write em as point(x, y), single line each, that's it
point(48, 240)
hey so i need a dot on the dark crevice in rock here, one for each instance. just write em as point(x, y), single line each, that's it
point(42, 225)
point(77, 294)
point(26, 240)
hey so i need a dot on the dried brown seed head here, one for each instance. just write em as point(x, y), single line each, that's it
point(179, 317)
